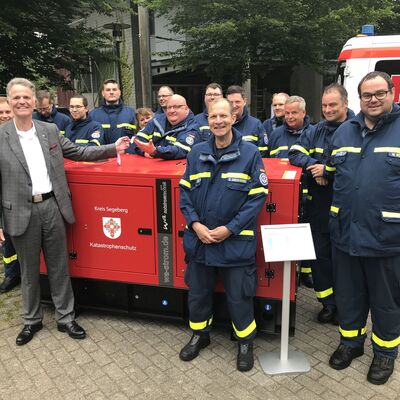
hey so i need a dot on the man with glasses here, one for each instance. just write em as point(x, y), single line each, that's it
point(365, 228)
point(46, 111)
point(83, 131)
point(116, 119)
point(213, 92)
point(169, 136)
point(163, 94)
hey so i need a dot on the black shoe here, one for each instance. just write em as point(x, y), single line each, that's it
point(73, 329)
point(380, 369)
point(9, 283)
point(344, 355)
point(306, 280)
point(191, 350)
point(245, 358)
point(327, 314)
point(27, 333)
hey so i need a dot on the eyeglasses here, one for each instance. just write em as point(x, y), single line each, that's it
point(163, 96)
point(213, 94)
point(175, 107)
point(41, 109)
point(76, 107)
point(379, 95)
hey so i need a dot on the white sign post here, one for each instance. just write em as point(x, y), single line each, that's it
point(291, 242)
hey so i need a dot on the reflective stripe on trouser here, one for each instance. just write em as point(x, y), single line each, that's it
point(322, 271)
point(363, 284)
point(10, 259)
point(240, 285)
point(306, 266)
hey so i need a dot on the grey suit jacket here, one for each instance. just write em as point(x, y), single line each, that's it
point(16, 184)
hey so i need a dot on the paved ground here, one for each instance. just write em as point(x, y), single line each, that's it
point(123, 358)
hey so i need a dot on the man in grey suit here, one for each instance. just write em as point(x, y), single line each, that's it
point(36, 203)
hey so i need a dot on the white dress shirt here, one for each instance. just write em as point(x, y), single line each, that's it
point(35, 159)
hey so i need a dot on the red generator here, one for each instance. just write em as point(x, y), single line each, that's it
point(125, 249)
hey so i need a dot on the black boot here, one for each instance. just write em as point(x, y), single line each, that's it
point(306, 279)
point(197, 342)
point(344, 355)
point(380, 369)
point(327, 314)
point(245, 358)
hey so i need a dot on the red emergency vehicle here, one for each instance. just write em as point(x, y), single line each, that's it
point(363, 54)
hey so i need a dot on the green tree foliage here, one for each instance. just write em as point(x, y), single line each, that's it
point(230, 36)
point(37, 38)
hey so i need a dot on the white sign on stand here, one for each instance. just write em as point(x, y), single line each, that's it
point(289, 242)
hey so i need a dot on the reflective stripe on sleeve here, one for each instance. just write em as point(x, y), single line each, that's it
point(305, 270)
point(237, 175)
point(250, 138)
point(126, 125)
point(299, 148)
point(106, 126)
point(170, 138)
point(278, 149)
point(390, 214)
point(185, 183)
point(202, 128)
point(348, 149)
point(9, 260)
point(247, 232)
point(330, 169)
point(387, 150)
point(62, 132)
point(317, 150)
point(96, 142)
point(262, 148)
point(200, 175)
point(335, 209)
point(258, 190)
point(143, 135)
point(182, 146)
point(83, 141)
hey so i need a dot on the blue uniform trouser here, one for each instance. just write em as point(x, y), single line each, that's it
point(11, 263)
point(322, 270)
point(363, 284)
point(240, 288)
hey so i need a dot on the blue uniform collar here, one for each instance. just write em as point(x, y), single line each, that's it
point(230, 153)
point(383, 120)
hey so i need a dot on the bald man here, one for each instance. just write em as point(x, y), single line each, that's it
point(171, 135)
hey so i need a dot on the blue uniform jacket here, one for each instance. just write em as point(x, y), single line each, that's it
point(202, 121)
point(272, 123)
point(229, 191)
point(116, 120)
point(171, 142)
point(313, 147)
point(365, 211)
point(252, 131)
point(282, 138)
point(56, 117)
point(85, 132)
